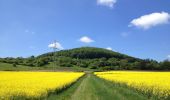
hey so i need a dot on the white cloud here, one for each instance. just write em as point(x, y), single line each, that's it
point(150, 20)
point(56, 45)
point(86, 39)
point(108, 3)
point(109, 48)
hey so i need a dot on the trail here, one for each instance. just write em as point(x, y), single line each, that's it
point(85, 91)
point(91, 87)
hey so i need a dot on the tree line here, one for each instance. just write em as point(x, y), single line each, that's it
point(90, 57)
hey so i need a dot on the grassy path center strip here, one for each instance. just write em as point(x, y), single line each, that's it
point(91, 87)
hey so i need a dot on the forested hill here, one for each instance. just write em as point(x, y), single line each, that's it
point(90, 57)
point(89, 53)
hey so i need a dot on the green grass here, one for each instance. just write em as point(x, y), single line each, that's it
point(9, 67)
point(48, 67)
point(91, 87)
point(67, 93)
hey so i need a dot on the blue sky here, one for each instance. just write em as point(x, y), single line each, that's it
point(140, 28)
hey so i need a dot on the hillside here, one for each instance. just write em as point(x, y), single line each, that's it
point(87, 57)
point(88, 53)
point(95, 58)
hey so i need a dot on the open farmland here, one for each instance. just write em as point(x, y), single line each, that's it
point(34, 85)
point(85, 50)
point(117, 85)
point(152, 84)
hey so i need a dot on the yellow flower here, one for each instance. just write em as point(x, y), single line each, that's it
point(34, 84)
point(156, 83)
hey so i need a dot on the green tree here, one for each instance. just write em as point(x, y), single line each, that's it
point(165, 65)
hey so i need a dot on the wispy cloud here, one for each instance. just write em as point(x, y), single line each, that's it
point(108, 3)
point(26, 31)
point(109, 48)
point(125, 34)
point(30, 32)
point(168, 57)
point(86, 39)
point(33, 33)
point(56, 45)
point(150, 20)
point(32, 47)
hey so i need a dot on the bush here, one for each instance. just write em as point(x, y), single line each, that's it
point(83, 64)
point(14, 65)
point(93, 67)
point(165, 65)
point(66, 65)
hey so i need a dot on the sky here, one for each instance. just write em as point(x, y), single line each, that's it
point(139, 28)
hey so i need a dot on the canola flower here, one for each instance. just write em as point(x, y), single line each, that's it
point(151, 83)
point(33, 85)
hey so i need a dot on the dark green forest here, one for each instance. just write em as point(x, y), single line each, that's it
point(89, 57)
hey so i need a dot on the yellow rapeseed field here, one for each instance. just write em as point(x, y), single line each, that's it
point(33, 84)
point(154, 83)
